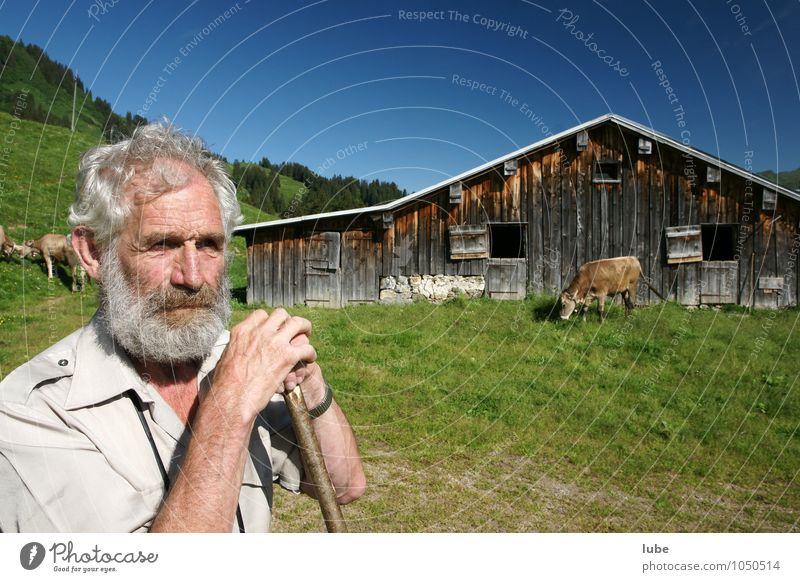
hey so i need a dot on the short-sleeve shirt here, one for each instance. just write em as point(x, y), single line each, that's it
point(75, 457)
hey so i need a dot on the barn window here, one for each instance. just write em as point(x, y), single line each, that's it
point(468, 242)
point(507, 240)
point(510, 167)
point(606, 172)
point(684, 244)
point(719, 241)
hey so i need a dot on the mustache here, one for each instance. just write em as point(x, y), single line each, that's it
point(169, 298)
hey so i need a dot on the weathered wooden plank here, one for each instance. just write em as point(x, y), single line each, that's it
point(286, 270)
point(589, 219)
point(267, 273)
point(371, 254)
point(641, 192)
point(769, 267)
point(597, 203)
point(389, 252)
point(402, 242)
point(551, 227)
point(556, 202)
point(250, 293)
point(691, 288)
point(568, 211)
point(659, 210)
point(424, 238)
point(515, 210)
point(629, 204)
point(277, 272)
point(714, 210)
point(605, 222)
point(493, 186)
point(439, 246)
point(582, 167)
point(536, 255)
point(300, 279)
point(670, 218)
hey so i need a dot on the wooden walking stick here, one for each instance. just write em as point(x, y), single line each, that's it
point(314, 462)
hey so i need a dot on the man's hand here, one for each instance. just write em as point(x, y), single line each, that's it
point(261, 359)
point(265, 354)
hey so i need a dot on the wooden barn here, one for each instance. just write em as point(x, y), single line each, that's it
point(704, 230)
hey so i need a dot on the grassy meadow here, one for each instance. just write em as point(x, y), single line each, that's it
point(495, 416)
point(492, 416)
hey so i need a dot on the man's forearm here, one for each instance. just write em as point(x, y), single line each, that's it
point(339, 447)
point(206, 492)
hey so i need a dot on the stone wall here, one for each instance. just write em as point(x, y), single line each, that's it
point(435, 288)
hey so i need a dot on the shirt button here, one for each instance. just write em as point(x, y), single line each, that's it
point(63, 363)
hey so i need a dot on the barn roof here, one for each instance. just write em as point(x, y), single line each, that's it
point(619, 120)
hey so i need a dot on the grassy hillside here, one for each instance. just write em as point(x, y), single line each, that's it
point(39, 176)
point(790, 179)
point(40, 88)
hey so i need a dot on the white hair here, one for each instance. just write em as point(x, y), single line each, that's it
point(104, 173)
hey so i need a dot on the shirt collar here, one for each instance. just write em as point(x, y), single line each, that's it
point(104, 371)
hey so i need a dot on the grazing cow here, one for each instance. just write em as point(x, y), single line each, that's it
point(6, 244)
point(56, 247)
point(598, 280)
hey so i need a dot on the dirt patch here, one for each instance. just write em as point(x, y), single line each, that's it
point(520, 495)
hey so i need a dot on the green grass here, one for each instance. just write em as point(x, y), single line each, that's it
point(489, 416)
point(39, 179)
point(481, 415)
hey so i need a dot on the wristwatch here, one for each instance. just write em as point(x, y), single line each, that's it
point(323, 406)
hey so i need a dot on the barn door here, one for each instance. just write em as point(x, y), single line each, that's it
point(506, 278)
point(359, 268)
point(719, 283)
point(322, 270)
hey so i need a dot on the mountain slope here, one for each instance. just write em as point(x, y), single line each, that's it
point(34, 86)
point(790, 179)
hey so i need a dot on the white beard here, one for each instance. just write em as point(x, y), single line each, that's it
point(149, 328)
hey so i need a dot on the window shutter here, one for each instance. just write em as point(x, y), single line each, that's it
point(684, 244)
point(469, 242)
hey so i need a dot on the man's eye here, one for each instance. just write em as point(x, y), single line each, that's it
point(208, 244)
point(162, 245)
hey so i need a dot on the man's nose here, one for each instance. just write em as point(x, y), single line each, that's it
point(187, 270)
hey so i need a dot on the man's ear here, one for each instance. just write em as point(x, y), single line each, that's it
point(83, 244)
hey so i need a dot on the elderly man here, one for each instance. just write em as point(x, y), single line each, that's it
point(153, 417)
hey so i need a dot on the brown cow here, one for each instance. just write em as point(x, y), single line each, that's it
point(56, 247)
point(598, 280)
point(6, 244)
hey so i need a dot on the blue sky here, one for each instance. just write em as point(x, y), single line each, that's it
point(375, 90)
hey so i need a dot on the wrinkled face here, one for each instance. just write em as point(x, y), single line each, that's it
point(164, 289)
point(568, 305)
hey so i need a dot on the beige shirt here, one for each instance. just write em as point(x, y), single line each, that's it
point(74, 456)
